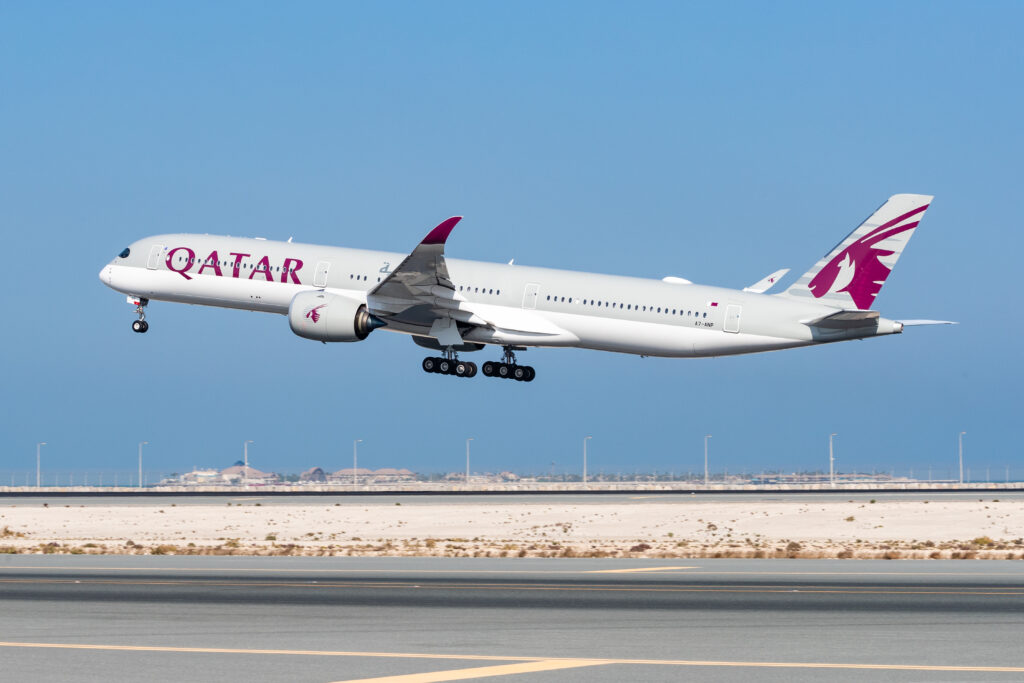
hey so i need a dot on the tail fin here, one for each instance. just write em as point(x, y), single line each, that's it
point(852, 274)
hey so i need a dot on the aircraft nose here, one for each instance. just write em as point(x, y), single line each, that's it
point(105, 275)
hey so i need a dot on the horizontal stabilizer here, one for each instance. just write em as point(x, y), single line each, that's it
point(913, 323)
point(673, 280)
point(845, 320)
point(764, 284)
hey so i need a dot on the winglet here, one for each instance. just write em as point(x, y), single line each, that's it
point(439, 235)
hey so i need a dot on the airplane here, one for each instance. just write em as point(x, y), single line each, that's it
point(453, 306)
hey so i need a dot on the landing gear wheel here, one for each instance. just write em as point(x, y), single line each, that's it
point(472, 369)
point(140, 303)
point(461, 369)
point(444, 366)
point(429, 365)
point(489, 369)
point(519, 373)
point(530, 373)
point(504, 370)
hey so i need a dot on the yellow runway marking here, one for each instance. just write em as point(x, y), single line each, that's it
point(482, 671)
point(513, 658)
point(635, 569)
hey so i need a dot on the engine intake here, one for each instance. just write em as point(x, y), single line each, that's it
point(330, 318)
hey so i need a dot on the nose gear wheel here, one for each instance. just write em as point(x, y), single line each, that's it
point(140, 325)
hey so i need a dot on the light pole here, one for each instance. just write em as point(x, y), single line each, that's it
point(355, 459)
point(140, 462)
point(706, 437)
point(831, 460)
point(585, 439)
point(38, 446)
point(245, 471)
point(467, 457)
point(960, 450)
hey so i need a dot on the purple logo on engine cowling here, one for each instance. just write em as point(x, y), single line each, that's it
point(314, 313)
point(858, 269)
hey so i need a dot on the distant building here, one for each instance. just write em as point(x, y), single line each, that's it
point(315, 475)
point(238, 474)
point(365, 476)
point(201, 478)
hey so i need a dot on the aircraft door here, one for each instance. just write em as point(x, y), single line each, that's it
point(530, 296)
point(732, 318)
point(320, 275)
point(154, 256)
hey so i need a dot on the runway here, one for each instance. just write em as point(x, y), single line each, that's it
point(101, 618)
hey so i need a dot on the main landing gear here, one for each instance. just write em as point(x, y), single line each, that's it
point(508, 368)
point(449, 365)
point(140, 325)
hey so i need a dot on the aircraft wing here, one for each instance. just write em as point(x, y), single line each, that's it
point(419, 292)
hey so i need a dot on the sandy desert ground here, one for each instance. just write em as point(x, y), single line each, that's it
point(982, 529)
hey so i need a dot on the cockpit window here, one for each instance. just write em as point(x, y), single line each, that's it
point(124, 254)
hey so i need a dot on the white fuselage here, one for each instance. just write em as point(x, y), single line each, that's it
point(564, 308)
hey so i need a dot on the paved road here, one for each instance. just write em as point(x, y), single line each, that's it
point(89, 618)
point(637, 498)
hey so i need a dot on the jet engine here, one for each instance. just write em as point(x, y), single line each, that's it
point(330, 318)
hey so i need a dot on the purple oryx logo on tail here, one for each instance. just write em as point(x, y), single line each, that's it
point(314, 313)
point(858, 269)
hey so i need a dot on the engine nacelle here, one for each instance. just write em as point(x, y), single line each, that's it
point(330, 318)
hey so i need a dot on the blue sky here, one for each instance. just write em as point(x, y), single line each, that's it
point(711, 141)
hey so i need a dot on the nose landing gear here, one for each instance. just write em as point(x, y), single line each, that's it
point(140, 325)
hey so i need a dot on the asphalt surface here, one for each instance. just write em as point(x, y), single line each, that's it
point(635, 497)
point(156, 618)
